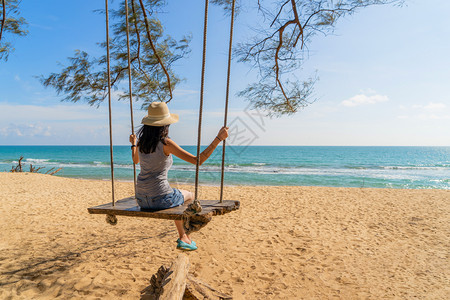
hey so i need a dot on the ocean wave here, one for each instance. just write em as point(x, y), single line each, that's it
point(440, 167)
point(259, 168)
point(50, 164)
point(103, 166)
point(319, 170)
point(421, 167)
point(37, 160)
point(446, 180)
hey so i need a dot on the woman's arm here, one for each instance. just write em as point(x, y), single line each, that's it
point(134, 150)
point(176, 150)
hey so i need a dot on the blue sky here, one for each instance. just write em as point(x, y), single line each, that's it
point(383, 80)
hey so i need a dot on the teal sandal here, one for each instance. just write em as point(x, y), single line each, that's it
point(185, 246)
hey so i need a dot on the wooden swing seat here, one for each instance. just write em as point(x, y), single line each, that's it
point(128, 207)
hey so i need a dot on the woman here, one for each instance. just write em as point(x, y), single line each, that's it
point(153, 151)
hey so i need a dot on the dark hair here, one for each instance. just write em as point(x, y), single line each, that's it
point(150, 136)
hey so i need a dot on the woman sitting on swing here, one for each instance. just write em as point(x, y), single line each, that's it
point(153, 149)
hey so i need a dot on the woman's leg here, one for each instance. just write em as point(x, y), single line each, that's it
point(188, 197)
point(181, 233)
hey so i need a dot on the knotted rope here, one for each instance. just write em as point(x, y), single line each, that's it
point(193, 222)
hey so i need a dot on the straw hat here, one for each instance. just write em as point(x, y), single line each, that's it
point(159, 115)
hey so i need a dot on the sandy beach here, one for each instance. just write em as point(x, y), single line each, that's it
point(283, 243)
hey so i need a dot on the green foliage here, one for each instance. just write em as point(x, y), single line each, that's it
point(266, 96)
point(86, 78)
point(11, 24)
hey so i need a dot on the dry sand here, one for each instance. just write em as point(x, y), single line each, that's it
point(284, 243)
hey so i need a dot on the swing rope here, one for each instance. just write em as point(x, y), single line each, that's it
point(129, 85)
point(109, 102)
point(230, 46)
point(205, 28)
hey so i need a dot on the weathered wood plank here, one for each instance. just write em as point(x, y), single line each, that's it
point(128, 207)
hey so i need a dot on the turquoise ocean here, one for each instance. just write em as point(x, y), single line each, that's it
point(377, 167)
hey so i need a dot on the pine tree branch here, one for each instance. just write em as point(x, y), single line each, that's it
point(3, 18)
point(279, 12)
point(297, 20)
point(138, 38)
point(149, 37)
point(277, 67)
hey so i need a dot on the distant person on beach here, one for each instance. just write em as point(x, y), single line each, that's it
point(153, 149)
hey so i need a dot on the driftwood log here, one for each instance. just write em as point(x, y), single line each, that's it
point(17, 168)
point(175, 283)
point(33, 169)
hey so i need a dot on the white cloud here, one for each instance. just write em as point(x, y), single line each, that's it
point(433, 117)
point(432, 111)
point(362, 99)
point(25, 130)
point(430, 106)
point(10, 113)
point(435, 106)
